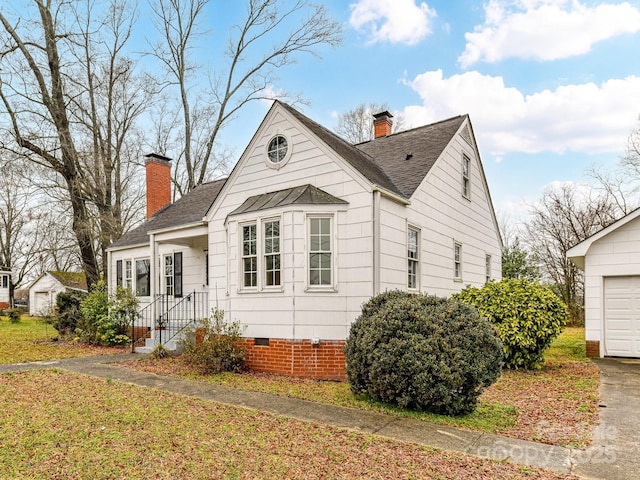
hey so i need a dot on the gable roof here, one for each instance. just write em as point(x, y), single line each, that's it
point(302, 195)
point(73, 280)
point(190, 209)
point(577, 253)
point(384, 161)
point(406, 157)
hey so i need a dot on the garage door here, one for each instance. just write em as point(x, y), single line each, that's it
point(42, 304)
point(622, 316)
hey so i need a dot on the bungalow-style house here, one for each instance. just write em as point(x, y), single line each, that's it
point(611, 262)
point(45, 289)
point(5, 288)
point(306, 228)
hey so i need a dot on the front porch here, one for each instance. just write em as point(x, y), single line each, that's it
point(166, 321)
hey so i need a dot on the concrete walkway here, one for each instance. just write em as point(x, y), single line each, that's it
point(595, 462)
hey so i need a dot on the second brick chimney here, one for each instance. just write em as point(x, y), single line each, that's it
point(158, 182)
point(382, 124)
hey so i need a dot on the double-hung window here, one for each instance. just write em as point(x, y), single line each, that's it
point(261, 243)
point(249, 256)
point(487, 268)
point(412, 258)
point(119, 273)
point(168, 274)
point(457, 261)
point(320, 251)
point(272, 253)
point(128, 279)
point(466, 175)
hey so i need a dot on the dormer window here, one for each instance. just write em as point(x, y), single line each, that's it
point(277, 150)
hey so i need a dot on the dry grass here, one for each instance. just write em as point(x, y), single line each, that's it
point(555, 405)
point(62, 425)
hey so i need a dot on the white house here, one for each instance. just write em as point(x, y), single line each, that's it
point(611, 262)
point(307, 227)
point(45, 289)
point(5, 293)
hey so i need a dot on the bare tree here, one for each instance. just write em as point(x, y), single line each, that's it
point(563, 217)
point(72, 99)
point(356, 125)
point(20, 237)
point(271, 36)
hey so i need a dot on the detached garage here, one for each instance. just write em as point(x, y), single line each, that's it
point(611, 263)
point(45, 289)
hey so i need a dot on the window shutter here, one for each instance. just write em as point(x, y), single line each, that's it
point(177, 274)
point(119, 273)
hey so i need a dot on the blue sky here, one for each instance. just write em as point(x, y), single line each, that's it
point(552, 86)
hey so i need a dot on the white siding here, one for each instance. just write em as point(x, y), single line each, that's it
point(617, 254)
point(294, 311)
point(4, 292)
point(443, 216)
point(42, 296)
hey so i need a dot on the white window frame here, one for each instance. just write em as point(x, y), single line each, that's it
point(466, 176)
point(487, 268)
point(275, 251)
point(260, 255)
point(167, 274)
point(331, 286)
point(128, 274)
point(250, 255)
point(287, 155)
point(413, 262)
point(457, 260)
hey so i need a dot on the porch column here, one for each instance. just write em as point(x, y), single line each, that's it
point(153, 261)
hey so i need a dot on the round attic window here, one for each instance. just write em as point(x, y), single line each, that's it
point(277, 149)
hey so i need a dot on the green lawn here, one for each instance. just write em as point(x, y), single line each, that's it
point(63, 425)
point(30, 340)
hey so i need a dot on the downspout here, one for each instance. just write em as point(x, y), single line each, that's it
point(376, 241)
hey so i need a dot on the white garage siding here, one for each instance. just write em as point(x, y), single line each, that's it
point(622, 316)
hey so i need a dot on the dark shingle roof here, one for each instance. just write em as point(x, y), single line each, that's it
point(407, 157)
point(383, 161)
point(302, 195)
point(189, 209)
point(357, 158)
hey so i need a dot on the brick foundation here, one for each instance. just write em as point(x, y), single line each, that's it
point(4, 305)
point(298, 358)
point(593, 348)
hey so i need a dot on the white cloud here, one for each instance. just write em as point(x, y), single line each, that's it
point(585, 118)
point(394, 21)
point(545, 29)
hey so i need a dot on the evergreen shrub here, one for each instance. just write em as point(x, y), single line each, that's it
point(526, 314)
point(422, 352)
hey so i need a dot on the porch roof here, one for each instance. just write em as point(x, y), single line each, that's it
point(301, 195)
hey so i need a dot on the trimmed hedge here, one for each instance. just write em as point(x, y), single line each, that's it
point(527, 315)
point(422, 352)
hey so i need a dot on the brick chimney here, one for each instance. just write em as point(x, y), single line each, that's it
point(382, 124)
point(158, 182)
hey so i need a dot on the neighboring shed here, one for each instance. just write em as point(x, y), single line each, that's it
point(5, 290)
point(611, 262)
point(43, 291)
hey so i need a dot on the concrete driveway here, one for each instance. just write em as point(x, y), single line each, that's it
point(615, 454)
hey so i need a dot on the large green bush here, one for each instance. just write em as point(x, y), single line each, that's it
point(422, 352)
point(527, 315)
point(214, 346)
point(105, 320)
point(68, 314)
